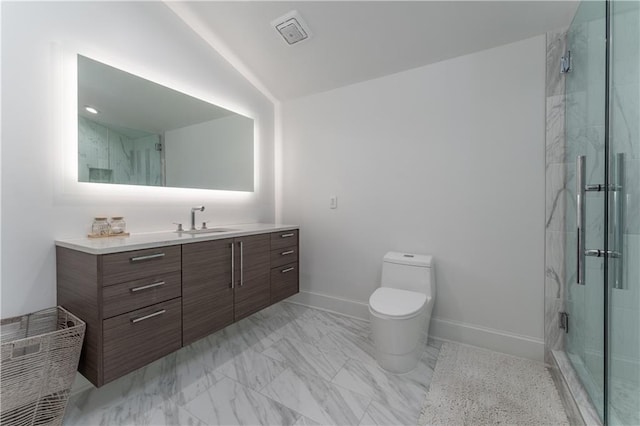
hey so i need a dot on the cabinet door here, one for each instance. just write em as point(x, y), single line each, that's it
point(252, 288)
point(207, 294)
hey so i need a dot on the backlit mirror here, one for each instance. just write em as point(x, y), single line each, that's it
point(133, 131)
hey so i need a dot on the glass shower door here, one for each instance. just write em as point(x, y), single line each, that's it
point(623, 272)
point(585, 89)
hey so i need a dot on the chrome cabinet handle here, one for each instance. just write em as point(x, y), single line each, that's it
point(287, 235)
point(285, 253)
point(233, 272)
point(147, 257)
point(241, 266)
point(284, 271)
point(146, 287)
point(580, 218)
point(146, 317)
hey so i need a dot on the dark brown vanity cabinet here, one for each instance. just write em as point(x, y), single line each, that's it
point(131, 303)
point(141, 305)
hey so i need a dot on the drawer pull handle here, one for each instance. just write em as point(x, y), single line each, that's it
point(287, 270)
point(146, 317)
point(147, 257)
point(287, 235)
point(284, 253)
point(146, 287)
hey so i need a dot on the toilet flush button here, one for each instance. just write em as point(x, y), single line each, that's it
point(408, 255)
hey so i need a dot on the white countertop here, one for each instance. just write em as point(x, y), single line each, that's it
point(165, 238)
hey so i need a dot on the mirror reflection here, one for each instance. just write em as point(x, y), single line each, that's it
point(133, 131)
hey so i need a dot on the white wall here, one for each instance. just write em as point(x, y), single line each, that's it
point(219, 154)
point(40, 200)
point(446, 159)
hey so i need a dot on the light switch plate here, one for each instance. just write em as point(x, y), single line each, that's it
point(333, 202)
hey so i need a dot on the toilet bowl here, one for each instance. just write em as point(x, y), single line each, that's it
point(400, 310)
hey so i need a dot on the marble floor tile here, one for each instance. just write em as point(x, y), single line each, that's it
point(252, 369)
point(342, 324)
point(307, 358)
point(305, 329)
point(379, 414)
point(231, 341)
point(316, 398)
point(272, 318)
point(230, 403)
point(293, 310)
point(141, 386)
point(399, 392)
point(305, 421)
point(322, 372)
point(352, 346)
point(367, 420)
point(176, 378)
point(163, 413)
point(431, 354)
point(184, 373)
point(255, 335)
point(193, 387)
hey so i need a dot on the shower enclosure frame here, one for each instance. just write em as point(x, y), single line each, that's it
point(584, 375)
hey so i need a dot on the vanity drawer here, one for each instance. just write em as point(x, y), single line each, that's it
point(132, 265)
point(284, 255)
point(135, 339)
point(284, 281)
point(124, 297)
point(284, 239)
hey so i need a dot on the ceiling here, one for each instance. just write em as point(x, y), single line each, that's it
point(359, 40)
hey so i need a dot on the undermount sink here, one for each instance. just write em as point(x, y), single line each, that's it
point(206, 231)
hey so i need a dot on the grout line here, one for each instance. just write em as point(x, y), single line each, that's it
point(278, 402)
point(189, 413)
point(366, 411)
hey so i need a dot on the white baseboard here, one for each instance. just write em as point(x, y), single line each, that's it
point(488, 338)
point(443, 329)
point(346, 307)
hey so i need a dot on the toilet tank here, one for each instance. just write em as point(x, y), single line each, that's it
point(406, 271)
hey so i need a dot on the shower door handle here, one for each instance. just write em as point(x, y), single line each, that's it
point(580, 218)
point(619, 207)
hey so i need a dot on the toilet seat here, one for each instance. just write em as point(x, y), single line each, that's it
point(396, 303)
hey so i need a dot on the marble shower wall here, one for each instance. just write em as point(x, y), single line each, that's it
point(130, 161)
point(557, 172)
point(559, 176)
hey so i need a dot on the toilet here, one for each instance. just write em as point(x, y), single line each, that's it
point(400, 310)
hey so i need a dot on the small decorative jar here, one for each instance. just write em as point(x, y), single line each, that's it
point(118, 225)
point(100, 226)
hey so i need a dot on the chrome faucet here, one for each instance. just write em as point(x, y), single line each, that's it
point(193, 216)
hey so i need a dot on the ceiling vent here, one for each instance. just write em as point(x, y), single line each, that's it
point(292, 28)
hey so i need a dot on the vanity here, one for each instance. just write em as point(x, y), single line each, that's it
point(147, 295)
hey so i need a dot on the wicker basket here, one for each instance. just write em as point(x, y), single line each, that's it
point(40, 353)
